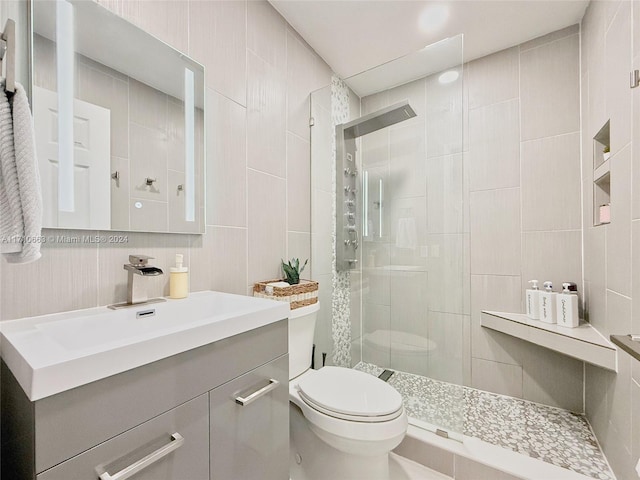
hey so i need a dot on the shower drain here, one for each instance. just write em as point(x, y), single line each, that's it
point(386, 375)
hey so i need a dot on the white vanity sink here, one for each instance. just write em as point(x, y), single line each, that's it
point(54, 353)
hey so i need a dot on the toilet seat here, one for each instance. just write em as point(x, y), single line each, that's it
point(350, 395)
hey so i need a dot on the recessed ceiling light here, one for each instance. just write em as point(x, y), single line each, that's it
point(433, 17)
point(448, 77)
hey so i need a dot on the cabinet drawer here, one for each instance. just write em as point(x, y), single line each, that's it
point(251, 441)
point(174, 445)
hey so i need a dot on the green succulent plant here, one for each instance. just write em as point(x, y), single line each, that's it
point(292, 270)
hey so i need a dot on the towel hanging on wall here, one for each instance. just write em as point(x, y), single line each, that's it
point(20, 193)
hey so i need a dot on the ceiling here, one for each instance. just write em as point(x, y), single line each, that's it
point(355, 35)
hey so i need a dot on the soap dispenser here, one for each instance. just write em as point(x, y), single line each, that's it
point(533, 300)
point(548, 303)
point(179, 279)
point(567, 306)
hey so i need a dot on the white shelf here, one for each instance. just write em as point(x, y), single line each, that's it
point(584, 342)
point(601, 171)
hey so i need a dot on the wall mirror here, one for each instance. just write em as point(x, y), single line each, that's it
point(119, 122)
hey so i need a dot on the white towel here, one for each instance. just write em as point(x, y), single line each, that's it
point(407, 236)
point(20, 194)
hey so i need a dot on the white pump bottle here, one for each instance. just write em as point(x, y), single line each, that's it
point(532, 299)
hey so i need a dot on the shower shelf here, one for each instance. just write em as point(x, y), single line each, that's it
point(584, 342)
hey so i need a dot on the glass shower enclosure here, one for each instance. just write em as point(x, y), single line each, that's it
point(387, 177)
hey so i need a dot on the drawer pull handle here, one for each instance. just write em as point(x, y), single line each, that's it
point(273, 384)
point(176, 442)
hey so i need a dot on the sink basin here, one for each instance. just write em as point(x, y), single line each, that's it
point(50, 354)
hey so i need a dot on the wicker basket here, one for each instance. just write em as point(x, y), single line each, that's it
point(300, 295)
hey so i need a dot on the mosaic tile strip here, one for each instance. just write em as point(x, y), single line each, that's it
point(340, 311)
point(549, 434)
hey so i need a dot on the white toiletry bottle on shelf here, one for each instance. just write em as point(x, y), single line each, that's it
point(548, 303)
point(567, 306)
point(532, 299)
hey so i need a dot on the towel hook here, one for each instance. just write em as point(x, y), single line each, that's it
point(8, 54)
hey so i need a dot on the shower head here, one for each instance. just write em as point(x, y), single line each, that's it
point(382, 118)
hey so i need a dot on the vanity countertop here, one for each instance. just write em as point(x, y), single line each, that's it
point(53, 353)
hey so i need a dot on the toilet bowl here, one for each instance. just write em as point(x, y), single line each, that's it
point(344, 422)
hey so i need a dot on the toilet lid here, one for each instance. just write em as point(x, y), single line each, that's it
point(348, 393)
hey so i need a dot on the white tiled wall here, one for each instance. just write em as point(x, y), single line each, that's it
point(259, 77)
point(523, 161)
point(610, 50)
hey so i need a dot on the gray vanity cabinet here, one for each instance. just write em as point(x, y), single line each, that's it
point(250, 425)
point(181, 454)
point(181, 412)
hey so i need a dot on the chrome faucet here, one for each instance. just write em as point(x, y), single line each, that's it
point(136, 268)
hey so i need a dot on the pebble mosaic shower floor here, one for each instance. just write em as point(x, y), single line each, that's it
point(550, 434)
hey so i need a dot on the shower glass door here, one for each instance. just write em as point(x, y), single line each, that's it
point(413, 256)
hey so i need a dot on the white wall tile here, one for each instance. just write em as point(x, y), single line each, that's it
point(266, 117)
point(635, 134)
point(444, 117)
point(543, 382)
point(299, 246)
point(148, 160)
point(494, 78)
point(495, 230)
point(219, 260)
point(267, 225)
point(635, 420)
point(64, 278)
point(376, 343)
point(551, 37)
point(618, 65)
point(301, 80)
point(217, 39)
point(266, 33)
point(321, 145)
point(322, 336)
point(445, 194)
point(551, 183)
point(226, 162)
point(500, 293)
point(496, 377)
point(166, 20)
point(448, 275)
point(553, 256)
point(597, 381)
point(148, 215)
point(635, 280)
point(120, 194)
point(446, 360)
point(594, 34)
point(494, 146)
point(298, 183)
point(321, 250)
point(550, 72)
point(407, 170)
point(618, 252)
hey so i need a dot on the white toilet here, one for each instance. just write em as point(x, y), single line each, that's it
point(343, 422)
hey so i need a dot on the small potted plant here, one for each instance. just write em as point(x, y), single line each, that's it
point(299, 293)
point(606, 153)
point(292, 270)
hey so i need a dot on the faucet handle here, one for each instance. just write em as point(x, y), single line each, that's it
point(139, 259)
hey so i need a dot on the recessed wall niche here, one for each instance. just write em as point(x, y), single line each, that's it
point(601, 177)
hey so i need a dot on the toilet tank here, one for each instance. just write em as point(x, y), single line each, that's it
point(302, 325)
